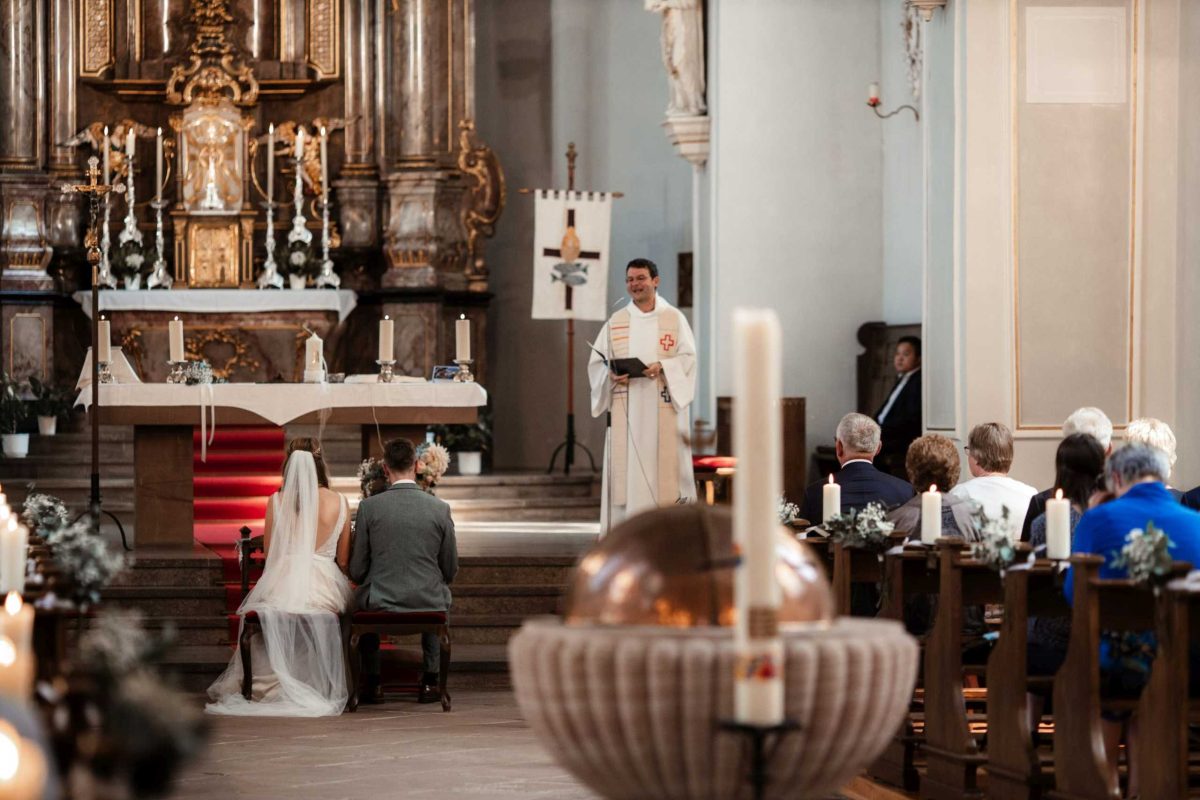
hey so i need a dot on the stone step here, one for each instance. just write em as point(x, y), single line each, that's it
point(150, 568)
point(564, 509)
point(186, 631)
point(169, 601)
point(490, 571)
point(506, 599)
point(484, 628)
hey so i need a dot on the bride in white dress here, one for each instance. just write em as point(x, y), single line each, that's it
point(298, 663)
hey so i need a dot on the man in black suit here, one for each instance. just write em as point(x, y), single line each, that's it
point(858, 442)
point(900, 414)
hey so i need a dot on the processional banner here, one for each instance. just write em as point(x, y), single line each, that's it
point(570, 254)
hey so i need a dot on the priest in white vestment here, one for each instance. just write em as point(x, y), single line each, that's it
point(647, 459)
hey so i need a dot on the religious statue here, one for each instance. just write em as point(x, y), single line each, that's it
point(484, 199)
point(285, 140)
point(683, 54)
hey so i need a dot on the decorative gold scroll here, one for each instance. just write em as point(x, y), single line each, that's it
point(96, 41)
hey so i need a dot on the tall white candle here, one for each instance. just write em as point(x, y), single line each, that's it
point(271, 162)
point(16, 647)
point(175, 331)
point(105, 148)
point(758, 680)
point(299, 147)
point(931, 516)
point(130, 145)
point(14, 551)
point(312, 352)
point(158, 161)
point(387, 338)
point(462, 338)
point(1058, 527)
point(873, 94)
point(324, 165)
point(104, 345)
point(831, 499)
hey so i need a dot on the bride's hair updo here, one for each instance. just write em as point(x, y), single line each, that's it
point(313, 446)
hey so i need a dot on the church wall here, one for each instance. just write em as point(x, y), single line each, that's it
point(549, 72)
point(796, 188)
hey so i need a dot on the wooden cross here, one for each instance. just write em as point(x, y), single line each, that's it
point(589, 255)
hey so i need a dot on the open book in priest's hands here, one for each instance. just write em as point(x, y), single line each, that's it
point(633, 367)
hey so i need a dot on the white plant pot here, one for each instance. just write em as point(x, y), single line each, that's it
point(469, 463)
point(47, 426)
point(297, 281)
point(133, 282)
point(16, 445)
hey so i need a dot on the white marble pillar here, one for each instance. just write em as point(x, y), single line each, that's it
point(357, 187)
point(22, 84)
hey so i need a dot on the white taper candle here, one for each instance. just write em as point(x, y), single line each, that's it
point(931, 515)
point(831, 500)
point(387, 338)
point(1058, 527)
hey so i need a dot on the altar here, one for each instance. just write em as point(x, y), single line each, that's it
point(165, 417)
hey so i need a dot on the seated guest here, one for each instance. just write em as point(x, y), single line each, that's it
point(900, 415)
point(1078, 466)
point(1089, 420)
point(403, 558)
point(1155, 433)
point(989, 457)
point(857, 445)
point(1136, 476)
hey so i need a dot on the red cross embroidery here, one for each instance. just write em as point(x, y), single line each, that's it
point(666, 342)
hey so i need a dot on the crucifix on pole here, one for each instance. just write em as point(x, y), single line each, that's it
point(94, 191)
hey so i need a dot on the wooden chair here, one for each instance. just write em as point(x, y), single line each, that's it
point(247, 546)
point(1015, 770)
point(952, 753)
point(393, 623)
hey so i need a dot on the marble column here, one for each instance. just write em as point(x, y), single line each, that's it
point(431, 90)
point(357, 187)
point(64, 226)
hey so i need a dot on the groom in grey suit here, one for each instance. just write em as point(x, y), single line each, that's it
point(404, 557)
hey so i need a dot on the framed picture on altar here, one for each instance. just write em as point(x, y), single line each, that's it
point(444, 373)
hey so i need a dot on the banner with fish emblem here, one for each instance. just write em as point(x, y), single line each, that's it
point(570, 254)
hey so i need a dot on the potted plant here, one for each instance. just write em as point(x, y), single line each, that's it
point(13, 412)
point(296, 260)
point(131, 261)
point(49, 403)
point(467, 442)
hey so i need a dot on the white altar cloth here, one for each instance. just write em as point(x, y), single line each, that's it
point(280, 403)
point(222, 301)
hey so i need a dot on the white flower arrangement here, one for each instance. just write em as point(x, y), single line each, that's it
point(788, 512)
point(85, 558)
point(1145, 555)
point(866, 529)
point(432, 462)
point(995, 546)
point(42, 513)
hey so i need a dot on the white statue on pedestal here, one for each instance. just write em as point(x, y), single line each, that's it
point(683, 54)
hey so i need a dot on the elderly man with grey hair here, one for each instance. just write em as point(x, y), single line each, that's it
point(858, 442)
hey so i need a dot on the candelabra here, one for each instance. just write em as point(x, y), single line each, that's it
point(160, 277)
point(105, 373)
point(104, 276)
point(464, 370)
point(299, 231)
point(176, 374)
point(270, 277)
point(130, 233)
point(327, 276)
point(386, 371)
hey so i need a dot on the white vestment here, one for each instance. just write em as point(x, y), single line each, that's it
point(650, 336)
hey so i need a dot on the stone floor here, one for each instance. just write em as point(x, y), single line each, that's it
point(480, 749)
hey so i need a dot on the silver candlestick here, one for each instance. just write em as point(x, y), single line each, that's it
point(176, 374)
point(104, 275)
point(160, 277)
point(464, 371)
point(327, 276)
point(270, 277)
point(299, 231)
point(386, 371)
point(105, 372)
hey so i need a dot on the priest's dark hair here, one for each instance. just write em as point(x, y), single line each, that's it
point(915, 341)
point(313, 446)
point(643, 263)
point(399, 455)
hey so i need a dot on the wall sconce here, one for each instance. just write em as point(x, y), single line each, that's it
point(927, 7)
point(873, 101)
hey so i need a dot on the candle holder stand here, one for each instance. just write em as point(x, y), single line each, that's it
point(105, 373)
point(104, 276)
point(270, 277)
point(762, 740)
point(327, 277)
point(176, 374)
point(386, 371)
point(160, 278)
point(299, 231)
point(464, 371)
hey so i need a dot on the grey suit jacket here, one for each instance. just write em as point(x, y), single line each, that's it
point(404, 553)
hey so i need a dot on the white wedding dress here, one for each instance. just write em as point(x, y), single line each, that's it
point(298, 665)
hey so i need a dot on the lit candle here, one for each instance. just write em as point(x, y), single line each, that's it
point(158, 168)
point(831, 499)
point(312, 352)
point(104, 345)
point(299, 147)
point(16, 648)
point(270, 162)
point(175, 330)
point(758, 678)
point(324, 166)
point(931, 516)
point(22, 766)
point(1058, 527)
point(462, 338)
point(14, 550)
point(387, 338)
point(129, 148)
point(105, 147)
point(873, 94)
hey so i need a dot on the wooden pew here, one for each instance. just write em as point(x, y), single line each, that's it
point(906, 574)
point(952, 754)
point(1081, 767)
point(853, 565)
point(1014, 768)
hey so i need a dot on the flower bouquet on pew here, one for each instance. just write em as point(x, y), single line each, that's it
point(1146, 555)
point(995, 547)
point(866, 529)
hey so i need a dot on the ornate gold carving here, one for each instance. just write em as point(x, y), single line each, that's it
point(196, 348)
point(96, 43)
point(324, 38)
point(483, 201)
point(213, 254)
point(131, 345)
point(215, 71)
point(212, 159)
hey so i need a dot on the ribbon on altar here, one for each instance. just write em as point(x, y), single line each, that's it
point(207, 432)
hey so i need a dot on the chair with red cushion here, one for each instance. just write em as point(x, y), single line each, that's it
point(395, 623)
